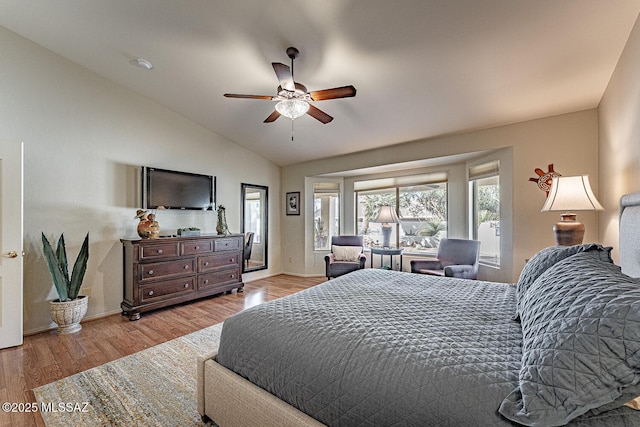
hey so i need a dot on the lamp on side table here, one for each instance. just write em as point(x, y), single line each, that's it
point(570, 193)
point(386, 215)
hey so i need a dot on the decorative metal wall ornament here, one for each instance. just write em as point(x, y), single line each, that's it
point(544, 178)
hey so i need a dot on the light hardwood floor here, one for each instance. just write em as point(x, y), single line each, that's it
point(47, 357)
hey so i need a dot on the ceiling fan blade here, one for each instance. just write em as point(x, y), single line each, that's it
point(336, 92)
point(319, 114)
point(284, 76)
point(272, 117)
point(236, 95)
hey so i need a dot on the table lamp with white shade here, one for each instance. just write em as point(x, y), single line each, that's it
point(570, 193)
point(386, 215)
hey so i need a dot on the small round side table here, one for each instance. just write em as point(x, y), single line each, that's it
point(379, 250)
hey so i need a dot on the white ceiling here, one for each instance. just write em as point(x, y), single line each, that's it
point(422, 68)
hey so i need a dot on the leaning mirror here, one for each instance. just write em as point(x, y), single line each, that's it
point(255, 206)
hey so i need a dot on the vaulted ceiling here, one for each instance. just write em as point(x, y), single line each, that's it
point(422, 68)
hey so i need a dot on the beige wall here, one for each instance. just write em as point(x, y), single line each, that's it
point(619, 130)
point(84, 137)
point(568, 141)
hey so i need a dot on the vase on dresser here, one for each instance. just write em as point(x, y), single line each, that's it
point(148, 227)
point(222, 228)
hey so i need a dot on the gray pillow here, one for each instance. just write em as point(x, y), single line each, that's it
point(581, 342)
point(547, 258)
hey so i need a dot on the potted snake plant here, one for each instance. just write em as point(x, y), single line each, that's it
point(69, 309)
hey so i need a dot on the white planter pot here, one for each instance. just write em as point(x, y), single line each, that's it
point(68, 314)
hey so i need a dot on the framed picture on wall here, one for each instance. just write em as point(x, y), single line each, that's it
point(293, 203)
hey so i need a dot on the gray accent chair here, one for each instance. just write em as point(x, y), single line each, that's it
point(456, 258)
point(248, 245)
point(335, 268)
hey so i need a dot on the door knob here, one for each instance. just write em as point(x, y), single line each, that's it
point(11, 254)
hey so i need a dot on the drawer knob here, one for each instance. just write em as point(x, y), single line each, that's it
point(150, 272)
point(186, 267)
point(159, 251)
point(150, 293)
point(206, 281)
point(197, 247)
point(186, 285)
point(231, 260)
point(206, 263)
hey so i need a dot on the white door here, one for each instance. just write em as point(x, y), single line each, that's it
point(10, 244)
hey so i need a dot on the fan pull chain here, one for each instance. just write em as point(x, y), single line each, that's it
point(292, 56)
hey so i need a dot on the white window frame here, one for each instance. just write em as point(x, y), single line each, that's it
point(482, 171)
point(316, 257)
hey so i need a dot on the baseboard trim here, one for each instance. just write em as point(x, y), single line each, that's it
point(259, 278)
point(303, 275)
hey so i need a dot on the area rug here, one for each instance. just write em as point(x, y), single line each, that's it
point(154, 387)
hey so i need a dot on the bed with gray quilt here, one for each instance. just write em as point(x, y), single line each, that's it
point(384, 348)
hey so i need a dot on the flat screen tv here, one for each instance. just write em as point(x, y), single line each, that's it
point(177, 190)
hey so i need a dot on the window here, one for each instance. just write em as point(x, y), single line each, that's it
point(484, 194)
point(423, 213)
point(367, 206)
point(252, 218)
point(421, 204)
point(326, 214)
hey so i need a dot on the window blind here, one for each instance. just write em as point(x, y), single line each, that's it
point(400, 181)
point(484, 170)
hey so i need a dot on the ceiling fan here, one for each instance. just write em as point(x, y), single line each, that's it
point(294, 100)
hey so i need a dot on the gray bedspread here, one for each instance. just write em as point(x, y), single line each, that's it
point(383, 348)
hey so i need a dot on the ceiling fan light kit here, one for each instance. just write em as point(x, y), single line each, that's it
point(294, 100)
point(292, 108)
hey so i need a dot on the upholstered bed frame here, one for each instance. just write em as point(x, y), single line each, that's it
point(630, 234)
point(231, 400)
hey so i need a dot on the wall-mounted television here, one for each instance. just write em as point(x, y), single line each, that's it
point(177, 190)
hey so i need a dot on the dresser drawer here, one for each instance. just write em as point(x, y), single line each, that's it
point(159, 270)
point(218, 278)
point(218, 261)
point(159, 250)
point(167, 289)
point(226, 244)
point(195, 247)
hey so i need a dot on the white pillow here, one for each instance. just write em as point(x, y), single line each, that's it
point(346, 253)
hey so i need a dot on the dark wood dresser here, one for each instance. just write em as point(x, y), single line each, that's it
point(167, 271)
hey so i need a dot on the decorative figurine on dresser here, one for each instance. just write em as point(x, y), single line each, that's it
point(148, 227)
point(170, 270)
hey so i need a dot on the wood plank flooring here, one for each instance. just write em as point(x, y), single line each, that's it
point(47, 357)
